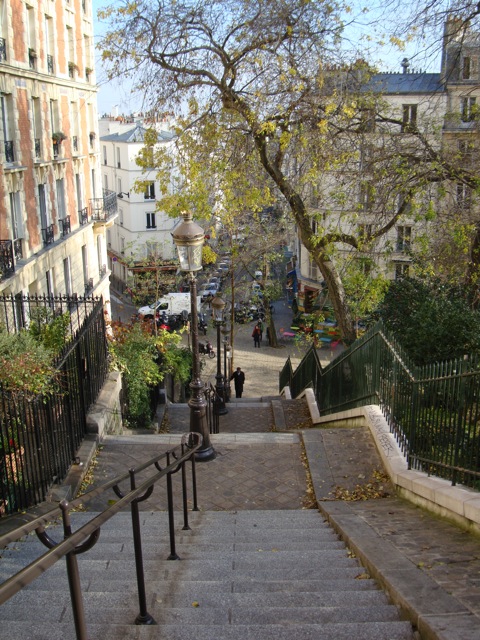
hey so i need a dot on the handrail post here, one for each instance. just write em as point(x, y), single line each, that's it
point(194, 484)
point(186, 526)
point(74, 579)
point(143, 617)
point(171, 523)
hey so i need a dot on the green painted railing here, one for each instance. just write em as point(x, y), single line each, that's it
point(433, 410)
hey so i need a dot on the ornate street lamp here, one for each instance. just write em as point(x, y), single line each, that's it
point(218, 305)
point(189, 238)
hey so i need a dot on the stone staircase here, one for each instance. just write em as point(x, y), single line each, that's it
point(263, 575)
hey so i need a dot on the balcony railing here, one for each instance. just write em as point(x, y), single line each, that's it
point(7, 265)
point(18, 249)
point(75, 143)
point(9, 151)
point(103, 271)
point(3, 50)
point(56, 149)
point(83, 216)
point(50, 64)
point(65, 226)
point(38, 148)
point(102, 209)
point(48, 235)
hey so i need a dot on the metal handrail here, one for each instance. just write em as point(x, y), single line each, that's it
point(213, 417)
point(86, 536)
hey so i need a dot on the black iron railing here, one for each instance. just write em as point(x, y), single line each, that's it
point(32, 59)
point(433, 411)
point(7, 265)
point(48, 235)
point(65, 225)
point(3, 50)
point(83, 216)
point(75, 143)
point(102, 209)
point(39, 436)
point(9, 151)
point(50, 64)
point(88, 286)
point(163, 466)
point(38, 148)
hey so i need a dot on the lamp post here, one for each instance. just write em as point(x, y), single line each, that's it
point(227, 353)
point(189, 238)
point(218, 305)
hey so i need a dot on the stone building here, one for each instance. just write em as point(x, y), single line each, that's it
point(54, 210)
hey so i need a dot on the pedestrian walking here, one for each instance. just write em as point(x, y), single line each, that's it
point(260, 327)
point(238, 378)
point(256, 336)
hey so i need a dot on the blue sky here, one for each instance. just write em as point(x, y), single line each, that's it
point(118, 95)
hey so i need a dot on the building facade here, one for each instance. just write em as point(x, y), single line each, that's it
point(141, 236)
point(443, 107)
point(54, 211)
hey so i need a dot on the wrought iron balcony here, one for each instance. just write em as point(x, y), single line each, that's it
point(56, 149)
point(65, 226)
point(18, 249)
point(103, 271)
point(3, 50)
point(75, 143)
point(48, 235)
point(7, 265)
point(83, 216)
point(38, 148)
point(9, 151)
point(50, 65)
point(103, 209)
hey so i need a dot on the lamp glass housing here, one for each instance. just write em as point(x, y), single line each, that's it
point(189, 238)
point(218, 305)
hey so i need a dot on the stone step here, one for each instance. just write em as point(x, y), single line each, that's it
point(337, 631)
point(277, 574)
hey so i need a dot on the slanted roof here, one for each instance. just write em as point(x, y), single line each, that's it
point(135, 134)
point(405, 83)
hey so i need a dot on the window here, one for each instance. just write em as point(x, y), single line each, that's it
point(312, 269)
point(16, 215)
point(150, 191)
point(469, 108)
point(151, 221)
point(120, 217)
point(67, 276)
point(364, 231)
point(367, 195)
point(7, 130)
point(404, 238)
point(61, 208)
point(104, 154)
point(466, 68)
point(464, 196)
point(153, 249)
point(401, 270)
point(37, 126)
point(466, 149)
point(409, 117)
point(50, 287)
point(119, 164)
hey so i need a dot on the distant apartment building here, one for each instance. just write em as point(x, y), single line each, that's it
point(54, 211)
point(141, 237)
point(445, 107)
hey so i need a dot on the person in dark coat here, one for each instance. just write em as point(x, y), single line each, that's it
point(238, 378)
point(256, 336)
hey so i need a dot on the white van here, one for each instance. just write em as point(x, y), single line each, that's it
point(171, 303)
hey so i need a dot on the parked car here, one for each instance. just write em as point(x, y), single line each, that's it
point(207, 291)
point(223, 266)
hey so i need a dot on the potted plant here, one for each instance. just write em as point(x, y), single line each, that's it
point(88, 72)
point(58, 137)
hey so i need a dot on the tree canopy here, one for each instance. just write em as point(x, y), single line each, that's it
point(267, 105)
